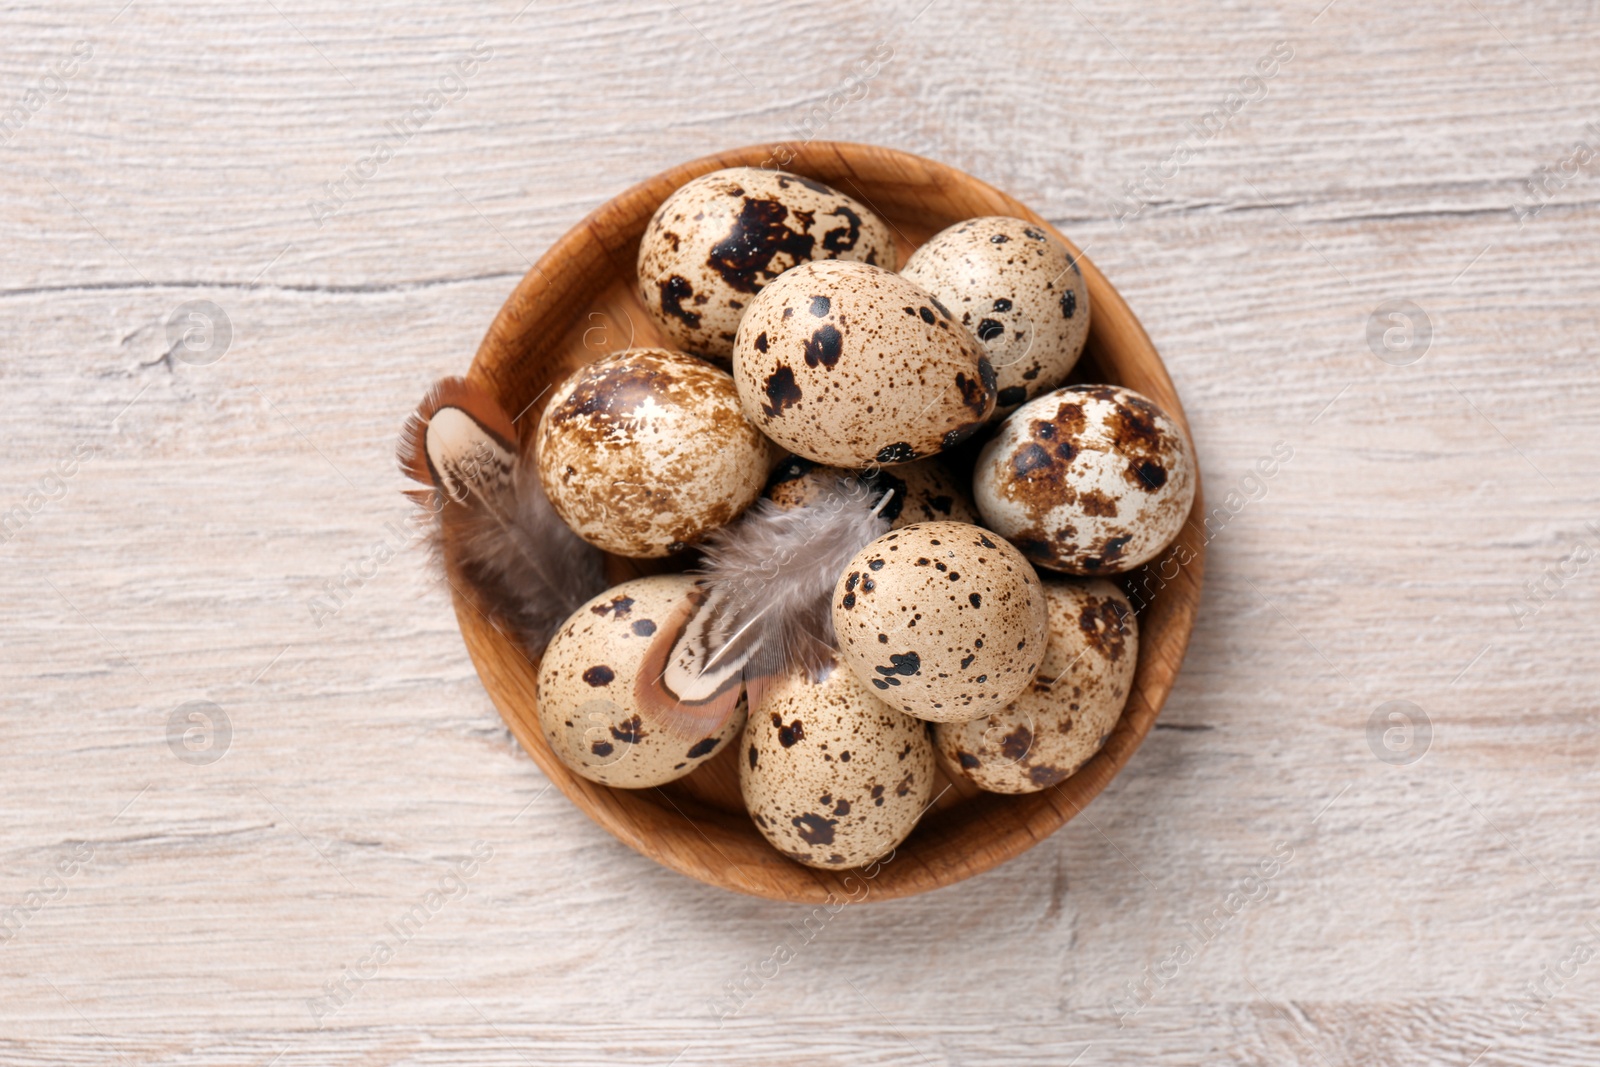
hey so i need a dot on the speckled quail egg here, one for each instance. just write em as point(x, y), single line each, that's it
point(944, 620)
point(850, 365)
point(645, 451)
point(587, 707)
point(715, 242)
point(1021, 293)
point(1092, 479)
point(924, 491)
point(1070, 707)
point(832, 776)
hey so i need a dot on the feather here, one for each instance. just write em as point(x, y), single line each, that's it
point(495, 529)
point(763, 607)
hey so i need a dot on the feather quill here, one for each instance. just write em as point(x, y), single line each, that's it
point(762, 607)
point(494, 527)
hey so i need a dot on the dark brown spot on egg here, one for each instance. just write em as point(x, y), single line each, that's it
point(974, 394)
point(1105, 559)
point(1043, 775)
point(644, 627)
point(899, 452)
point(674, 291)
point(1094, 502)
point(1105, 623)
point(842, 238)
point(1015, 745)
point(744, 257)
point(1132, 426)
point(702, 747)
point(824, 347)
point(782, 392)
point(599, 675)
point(1148, 475)
point(609, 392)
point(617, 606)
point(630, 730)
point(987, 375)
point(814, 829)
point(905, 663)
point(1030, 458)
point(788, 735)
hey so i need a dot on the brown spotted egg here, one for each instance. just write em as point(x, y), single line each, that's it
point(587, 708)
point(1021, 293)
point(644, 452)
point(715, 242)
point(849, 365)
point(1069, 709)
point(832, 776)
point(1092, 479)
point(924, 491)
point(944, 620)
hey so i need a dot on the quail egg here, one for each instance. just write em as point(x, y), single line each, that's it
point(944, 620)
point(1021, 293)
point(849, 365)
point(715, 242)
point(645, 451)
point(587, 708)
point(1069, 709)
point(1092, 479)
point(924, 491)
point(832, 776)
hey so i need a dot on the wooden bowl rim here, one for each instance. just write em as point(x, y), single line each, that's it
point(1038, 814)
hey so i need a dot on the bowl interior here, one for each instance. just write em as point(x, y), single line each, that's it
point(578, 303)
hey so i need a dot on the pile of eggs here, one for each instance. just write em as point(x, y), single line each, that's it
point(981, 633)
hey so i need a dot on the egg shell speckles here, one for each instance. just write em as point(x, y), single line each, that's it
point(832, 776)
point(944, 620)
point(716, 241)
point(646, 451)
point(852, 366)
point(1092, 479)
point(1069, 709)
point(924, 491)
point(586, 703)
point(1021, 293)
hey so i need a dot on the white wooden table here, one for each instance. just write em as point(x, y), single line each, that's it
point(216, 521)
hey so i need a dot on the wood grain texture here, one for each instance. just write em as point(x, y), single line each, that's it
point(213, 503)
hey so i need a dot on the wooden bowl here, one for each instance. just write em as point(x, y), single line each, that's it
point(580, 302)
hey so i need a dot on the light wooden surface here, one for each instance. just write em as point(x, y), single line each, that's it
point(211, 903)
